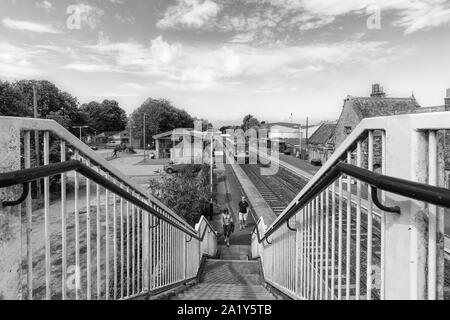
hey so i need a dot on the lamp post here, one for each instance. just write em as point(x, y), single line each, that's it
point(81, 130)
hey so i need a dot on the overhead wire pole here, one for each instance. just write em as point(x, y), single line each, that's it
point(145, 142)
point(211, 203)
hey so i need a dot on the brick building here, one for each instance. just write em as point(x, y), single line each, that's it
point(320, 145)
point(356, 109)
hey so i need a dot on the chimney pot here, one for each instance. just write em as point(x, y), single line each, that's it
point(447, 101)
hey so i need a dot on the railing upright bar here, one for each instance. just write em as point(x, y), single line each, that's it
point(432, 218)
point(48, 266)
point(333, 240)
point(128, 257)
point(63, 223)
point(340, 227)
point(138, 253)
point(107, 242)
point(302, 253)
point(317, 247)
point(383, 220)
point(321, 213)
point(133, 250)
point(99, 245)
point(358, 224)
point(349, 224)
point(122, 253)
point(29, 211)
point(327, 245)
point(115, 243)
point(309, 253)
point(77, 230)
point(88, 236)
point(369, 222)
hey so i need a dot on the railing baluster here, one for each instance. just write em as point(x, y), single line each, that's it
point(333, 240)
point(383, 219)
point(129, 206)
point(29, 211)
point(77, 231)
point(133, 250)
point(432, 218)
point(122, 253)
point(107, 248)
point(358, 224)
point(349, 223)
point(340, 258)
point(63, 223)
point(321, 245)
point(139, 248)
point(48, 265)
point(98, 258)
point(327, 248)
point(88, 235)
point(302, 253)
point(309, 253)
point(369, 223)
point(317, 248)
point(115, 243)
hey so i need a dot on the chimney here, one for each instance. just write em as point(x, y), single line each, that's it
point(447, 101)
point(377, 91)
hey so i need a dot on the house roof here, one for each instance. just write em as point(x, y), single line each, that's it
point(323, 134)
point(370, 107)
point(285, 124)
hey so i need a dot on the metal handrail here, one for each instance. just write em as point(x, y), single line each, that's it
point(423, 192)
point(25, 176)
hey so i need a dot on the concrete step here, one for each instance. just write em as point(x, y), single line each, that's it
point(232, 272)
point(204, 291)
point(234, 252)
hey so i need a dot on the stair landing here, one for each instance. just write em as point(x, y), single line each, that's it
point(229, 280)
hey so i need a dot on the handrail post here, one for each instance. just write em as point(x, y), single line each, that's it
point(406, 235)
point(10, 221)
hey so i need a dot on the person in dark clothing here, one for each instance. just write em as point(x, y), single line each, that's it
point(227, 222)
point(115, 152)
point(243, 213)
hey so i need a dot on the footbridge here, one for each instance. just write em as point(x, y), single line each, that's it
point(96, 234)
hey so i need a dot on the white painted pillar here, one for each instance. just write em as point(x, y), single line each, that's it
point(10, 220)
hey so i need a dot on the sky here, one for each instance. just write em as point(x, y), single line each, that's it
point(223, 59)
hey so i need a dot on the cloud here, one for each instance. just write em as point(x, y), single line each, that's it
point(412, 15)
point(15, 62)
point(201, 67)
point(29, 26)
point(46, 5)
point(189, 14)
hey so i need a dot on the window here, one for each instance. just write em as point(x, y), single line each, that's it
point(347, 130)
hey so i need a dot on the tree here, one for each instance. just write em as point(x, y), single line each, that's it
point(12, 102)
point(104, 117)
point(187, 193)
point(161, 116)
point(249, 122)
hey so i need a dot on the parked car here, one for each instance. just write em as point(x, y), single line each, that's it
point(113, 144)
point(316, 162)
point(174, 167)
point(94, 148)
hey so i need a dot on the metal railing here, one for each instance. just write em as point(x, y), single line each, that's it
point(105, 239)
point(355, 234)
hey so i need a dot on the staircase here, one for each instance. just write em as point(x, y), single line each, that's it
point(229, 279)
